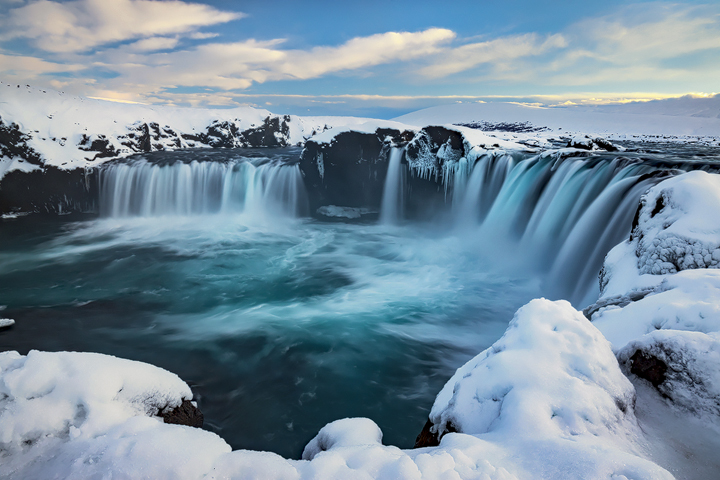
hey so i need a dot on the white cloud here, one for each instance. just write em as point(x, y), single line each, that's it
point(364, 52)
point(154, 43)
point(233, 66)
point(632, 49)
point(203, 36)
point(26, 68)
point(501, 50)
point(84, 24)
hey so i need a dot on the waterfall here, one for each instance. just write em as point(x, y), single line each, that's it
point(142, 188)
point(392, 207)
point(559, 215)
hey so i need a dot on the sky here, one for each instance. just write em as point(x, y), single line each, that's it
point(364, 58)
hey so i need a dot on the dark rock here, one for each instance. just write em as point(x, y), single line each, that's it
point(350, 171)
point(99, 144)
point(184, 414)
point(588, 143)
point(659, 205)
point(265, 135)
point(430, 438)
point(49, 191)
point(13, 143)
point(648, 367)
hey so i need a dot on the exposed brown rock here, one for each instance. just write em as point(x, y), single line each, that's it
point(648, 367)
point(185, 414)
point(428, 438)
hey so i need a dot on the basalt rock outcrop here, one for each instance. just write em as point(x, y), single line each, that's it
point(350, 170)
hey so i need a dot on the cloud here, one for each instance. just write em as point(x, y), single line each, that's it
point(236, 66)
point(364, 52)
point(501, 50)
point(81, 25)
point(154, 43)
point(149, 51)
point(25, 68)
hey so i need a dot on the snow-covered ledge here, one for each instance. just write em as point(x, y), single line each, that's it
point(547, 400)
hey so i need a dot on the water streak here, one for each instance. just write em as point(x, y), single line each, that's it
point(391, 210)
point(146, 189)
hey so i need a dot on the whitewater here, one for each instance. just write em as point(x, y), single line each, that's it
point(208, 264)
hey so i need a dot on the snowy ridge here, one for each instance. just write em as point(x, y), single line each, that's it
point(682, 119)
point(75, 132)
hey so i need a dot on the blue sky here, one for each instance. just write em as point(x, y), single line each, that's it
point(370, 58)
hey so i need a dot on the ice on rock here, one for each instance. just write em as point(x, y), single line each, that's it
point(678, 226)
point(691, 379)
point(666, 276)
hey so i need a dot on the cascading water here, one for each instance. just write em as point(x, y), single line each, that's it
point(282, 327)
point(391, 210)
point(142, 188)
point(559, 214)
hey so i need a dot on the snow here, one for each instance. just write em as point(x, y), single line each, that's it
point(669, 268)
point(660, 299)
point(547, 400)
point(57, 123)
point(551, 384)
point(693, 377)
point(676, 119)
point(369, 126)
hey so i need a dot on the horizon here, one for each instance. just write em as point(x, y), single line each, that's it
point(375, 60)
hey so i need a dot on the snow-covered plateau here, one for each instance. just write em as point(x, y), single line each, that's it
point(627, 389)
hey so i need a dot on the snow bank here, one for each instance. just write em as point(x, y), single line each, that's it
point(78, 394)
point(551, 384)
point(548, 400)
point(82, 415)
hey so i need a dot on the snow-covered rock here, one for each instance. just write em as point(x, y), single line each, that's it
point(552, 382)
point(49, 128)
point(660, 308)
point(666, 275)
point(585, 142)
point(684, 367)
point(678, 227)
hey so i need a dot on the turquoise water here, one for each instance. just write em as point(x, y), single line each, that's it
point(279, 325)
point(283, 324)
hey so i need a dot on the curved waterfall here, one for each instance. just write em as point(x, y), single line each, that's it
point(142, 188)
point(560, 215)
point(557, 214)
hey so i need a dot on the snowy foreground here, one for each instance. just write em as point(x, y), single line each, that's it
point(558, 396)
